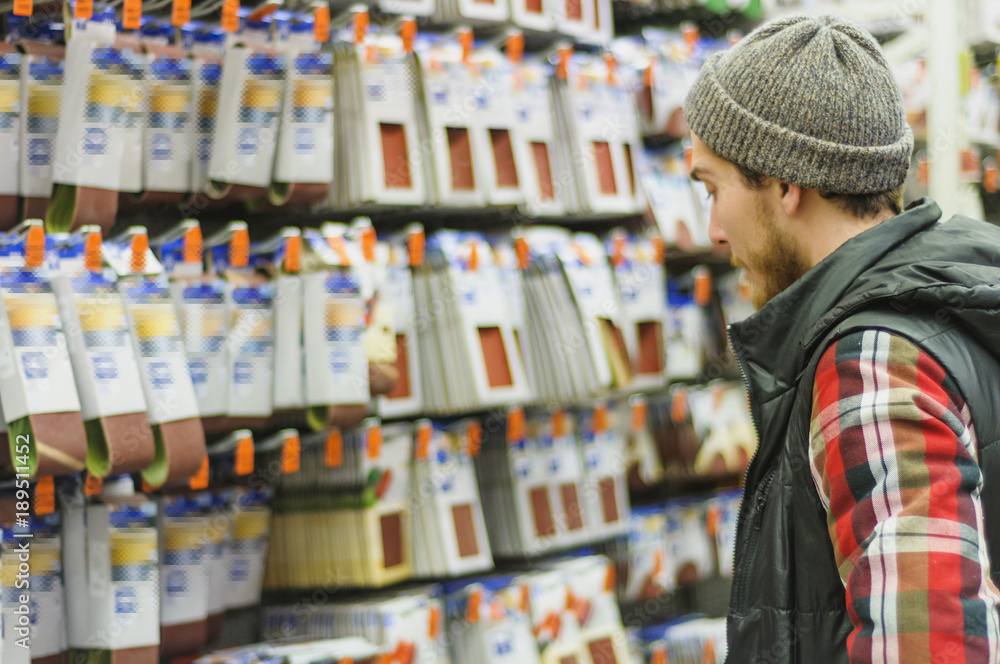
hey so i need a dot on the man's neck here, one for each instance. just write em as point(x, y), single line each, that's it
point(834, 229)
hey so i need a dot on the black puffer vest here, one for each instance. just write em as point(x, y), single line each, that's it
point(935, 284)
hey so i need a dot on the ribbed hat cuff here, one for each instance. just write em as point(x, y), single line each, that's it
point(739, 136)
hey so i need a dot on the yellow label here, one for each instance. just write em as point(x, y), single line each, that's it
point(311, 94)
point(251, 523)
point(8, 569)
point(44, 101)
point(169, 98)
point(45, 560)
point(26, 311)
point(98, 314)
point(208, 103)
point(251, 324)
point(154, 321)
point(261, 94)
point(133, 547)
point(183, 535)
point(108, 91)
point(340, 314)
point(10, 95)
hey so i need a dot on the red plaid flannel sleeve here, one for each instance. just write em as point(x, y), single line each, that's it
point(894, 460)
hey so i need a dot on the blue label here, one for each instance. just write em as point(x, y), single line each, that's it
point(35, 365)
point(161, 147)
point(247, 141)
point(242, 373)
point(160, 374)
point(177, 581)
point(39, 151)
point(239, 570)
point(304, 140)
point(126, 601)
point(95, 141)
point(105, 367)
point(199, 371)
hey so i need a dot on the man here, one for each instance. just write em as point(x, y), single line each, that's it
point(873, 504)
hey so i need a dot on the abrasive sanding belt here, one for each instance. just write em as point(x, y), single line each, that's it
point(8, 203)
point(48, 106)
point(166, 105)
point(72, 206)
point(57, 442)
point(220, 189)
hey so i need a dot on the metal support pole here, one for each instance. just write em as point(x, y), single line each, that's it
point(944, 115)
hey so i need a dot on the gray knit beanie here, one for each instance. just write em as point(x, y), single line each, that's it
point(805, 100)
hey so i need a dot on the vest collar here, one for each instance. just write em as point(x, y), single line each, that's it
point(772, 345)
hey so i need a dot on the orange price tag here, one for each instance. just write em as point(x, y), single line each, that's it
point(92, 252)
point(708, 653)
point(610, 578)
point(434, 628)
point(334, 449)
point(140, 244)
point(560, 426)
point(679, 405)
point(425, 432)
point(638, 415)
point(45, 496)
point(581, 254)
point(293, 254)
point(712, 521)
point(659, 656)
point(562, 68)
point(243, 463)
point(515, 425)
point(473, 257)
point(415, 244)
point(702, 286)
point(368, 242)
point(600, 418)
point(472, 606)
point(200, 479)
point(23, 7)
point(361, 20)
point(525, 597)
point(659, 250)
point(182, 12)
point(239, 248)
point(132, 14)
point(321, 23)
point(523, 256)
point(230, 15)
point(475, 434)
point(93, 485)
point(290, 455)
point(515, 47)
point(83, 9)
point(374, 442)
point(618, 249)
point(192, 245)
point(34, 247)
point(408, 33)
point(336, 242)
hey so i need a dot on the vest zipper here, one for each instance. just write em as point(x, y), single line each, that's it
point(741, 586)
point(738, 581)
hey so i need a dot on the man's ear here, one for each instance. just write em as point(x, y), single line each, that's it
point(791, 197)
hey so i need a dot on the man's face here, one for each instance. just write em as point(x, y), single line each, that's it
point(752, 223)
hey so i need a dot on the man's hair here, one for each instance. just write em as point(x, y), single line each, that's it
point(859, 205)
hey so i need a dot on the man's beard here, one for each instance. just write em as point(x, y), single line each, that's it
point(776, 265)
